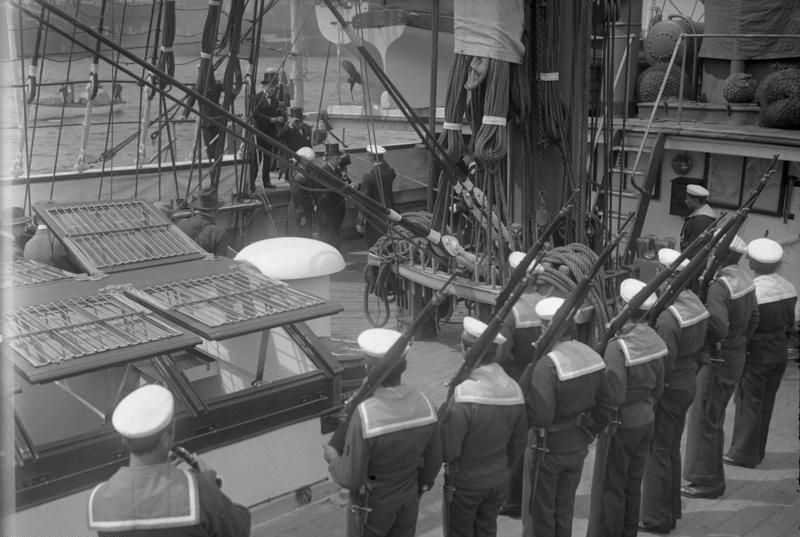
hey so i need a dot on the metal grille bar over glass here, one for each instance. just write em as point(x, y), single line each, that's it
point(111, 235)
point(74, 332)
point(240, 295)
point(23, 272)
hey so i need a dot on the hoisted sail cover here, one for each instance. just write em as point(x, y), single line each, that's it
point(489, 29)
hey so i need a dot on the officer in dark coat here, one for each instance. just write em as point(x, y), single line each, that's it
point(483, 436)
point(682, 326)
point(151, 496)
point(294, 135)
point(701, 215)
point(331, 205)
point(268, 117)
point(766, 355)
point(202, 227)
point(392, 453)
point(302, 196)
point(377, 184)
point(568, 402)
point(635, 372)
point(731, 302)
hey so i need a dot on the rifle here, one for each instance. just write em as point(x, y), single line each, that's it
point(386, 365)
point(523, 265)
point(693, 250)
point(741, 215)
point(560, 320)
point(516, 285)
point(687, 275)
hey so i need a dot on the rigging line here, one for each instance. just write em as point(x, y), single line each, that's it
point(110, 120)
point(63, 108)
point(29, 156)
point(282, 154)
point(144, 114)
point(322, 91)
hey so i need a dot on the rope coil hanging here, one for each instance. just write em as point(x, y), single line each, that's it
point(91, 92)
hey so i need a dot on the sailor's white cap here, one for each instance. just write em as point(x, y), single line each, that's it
point(515, 258)
point(667, 256)
point(546, 308)
point(765, 251)
point(630, 287)
point(376, 341)
point(738, 245)
point(474, 328)
point(144, 412)
point(376, 149)
point(306, 153)
point(697, 191)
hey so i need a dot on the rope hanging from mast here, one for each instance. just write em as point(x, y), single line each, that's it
point(91, 92)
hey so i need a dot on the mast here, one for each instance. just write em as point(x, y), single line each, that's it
point(296, 68)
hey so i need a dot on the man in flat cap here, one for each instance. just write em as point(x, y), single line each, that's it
point(152, 496)
point(377, 184)
point(568, 402)
point(483, 437)
point(766, 357)
point(635, 372)
point(701, 215)
point(682, 326)
point(391, 453)
point(731, 302)
point(202, 226)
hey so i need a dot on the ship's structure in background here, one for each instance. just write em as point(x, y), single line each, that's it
point(516, 109)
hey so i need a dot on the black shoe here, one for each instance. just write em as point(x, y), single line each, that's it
point(732, 462)
point(647, 528)
point(697, 491)
point(511, 511)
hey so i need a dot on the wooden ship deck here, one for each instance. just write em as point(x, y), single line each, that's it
point(760, 502)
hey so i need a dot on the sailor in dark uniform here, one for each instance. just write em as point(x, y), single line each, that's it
point(701, 215)
point(635, 371)
point(151, 496)
point(682, 326)
point(202, 227)
point(766, 355)
point(330, 204)
point(522, 328)
point(377, 184)
point(568, 402)
point(483, 435)
point(731, 302)
point(391, 454)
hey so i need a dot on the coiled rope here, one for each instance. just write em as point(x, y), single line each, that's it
point(564, 267)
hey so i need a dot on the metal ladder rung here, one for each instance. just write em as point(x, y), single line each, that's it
point(627, 171)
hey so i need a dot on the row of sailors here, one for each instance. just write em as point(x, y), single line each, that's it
point(633, 400)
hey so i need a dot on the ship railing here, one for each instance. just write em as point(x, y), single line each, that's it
point(662, 88)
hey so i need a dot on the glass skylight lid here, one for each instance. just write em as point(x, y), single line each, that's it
point(237, 301)
point(65, 338)
point(24, 272)
point(116, 235)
